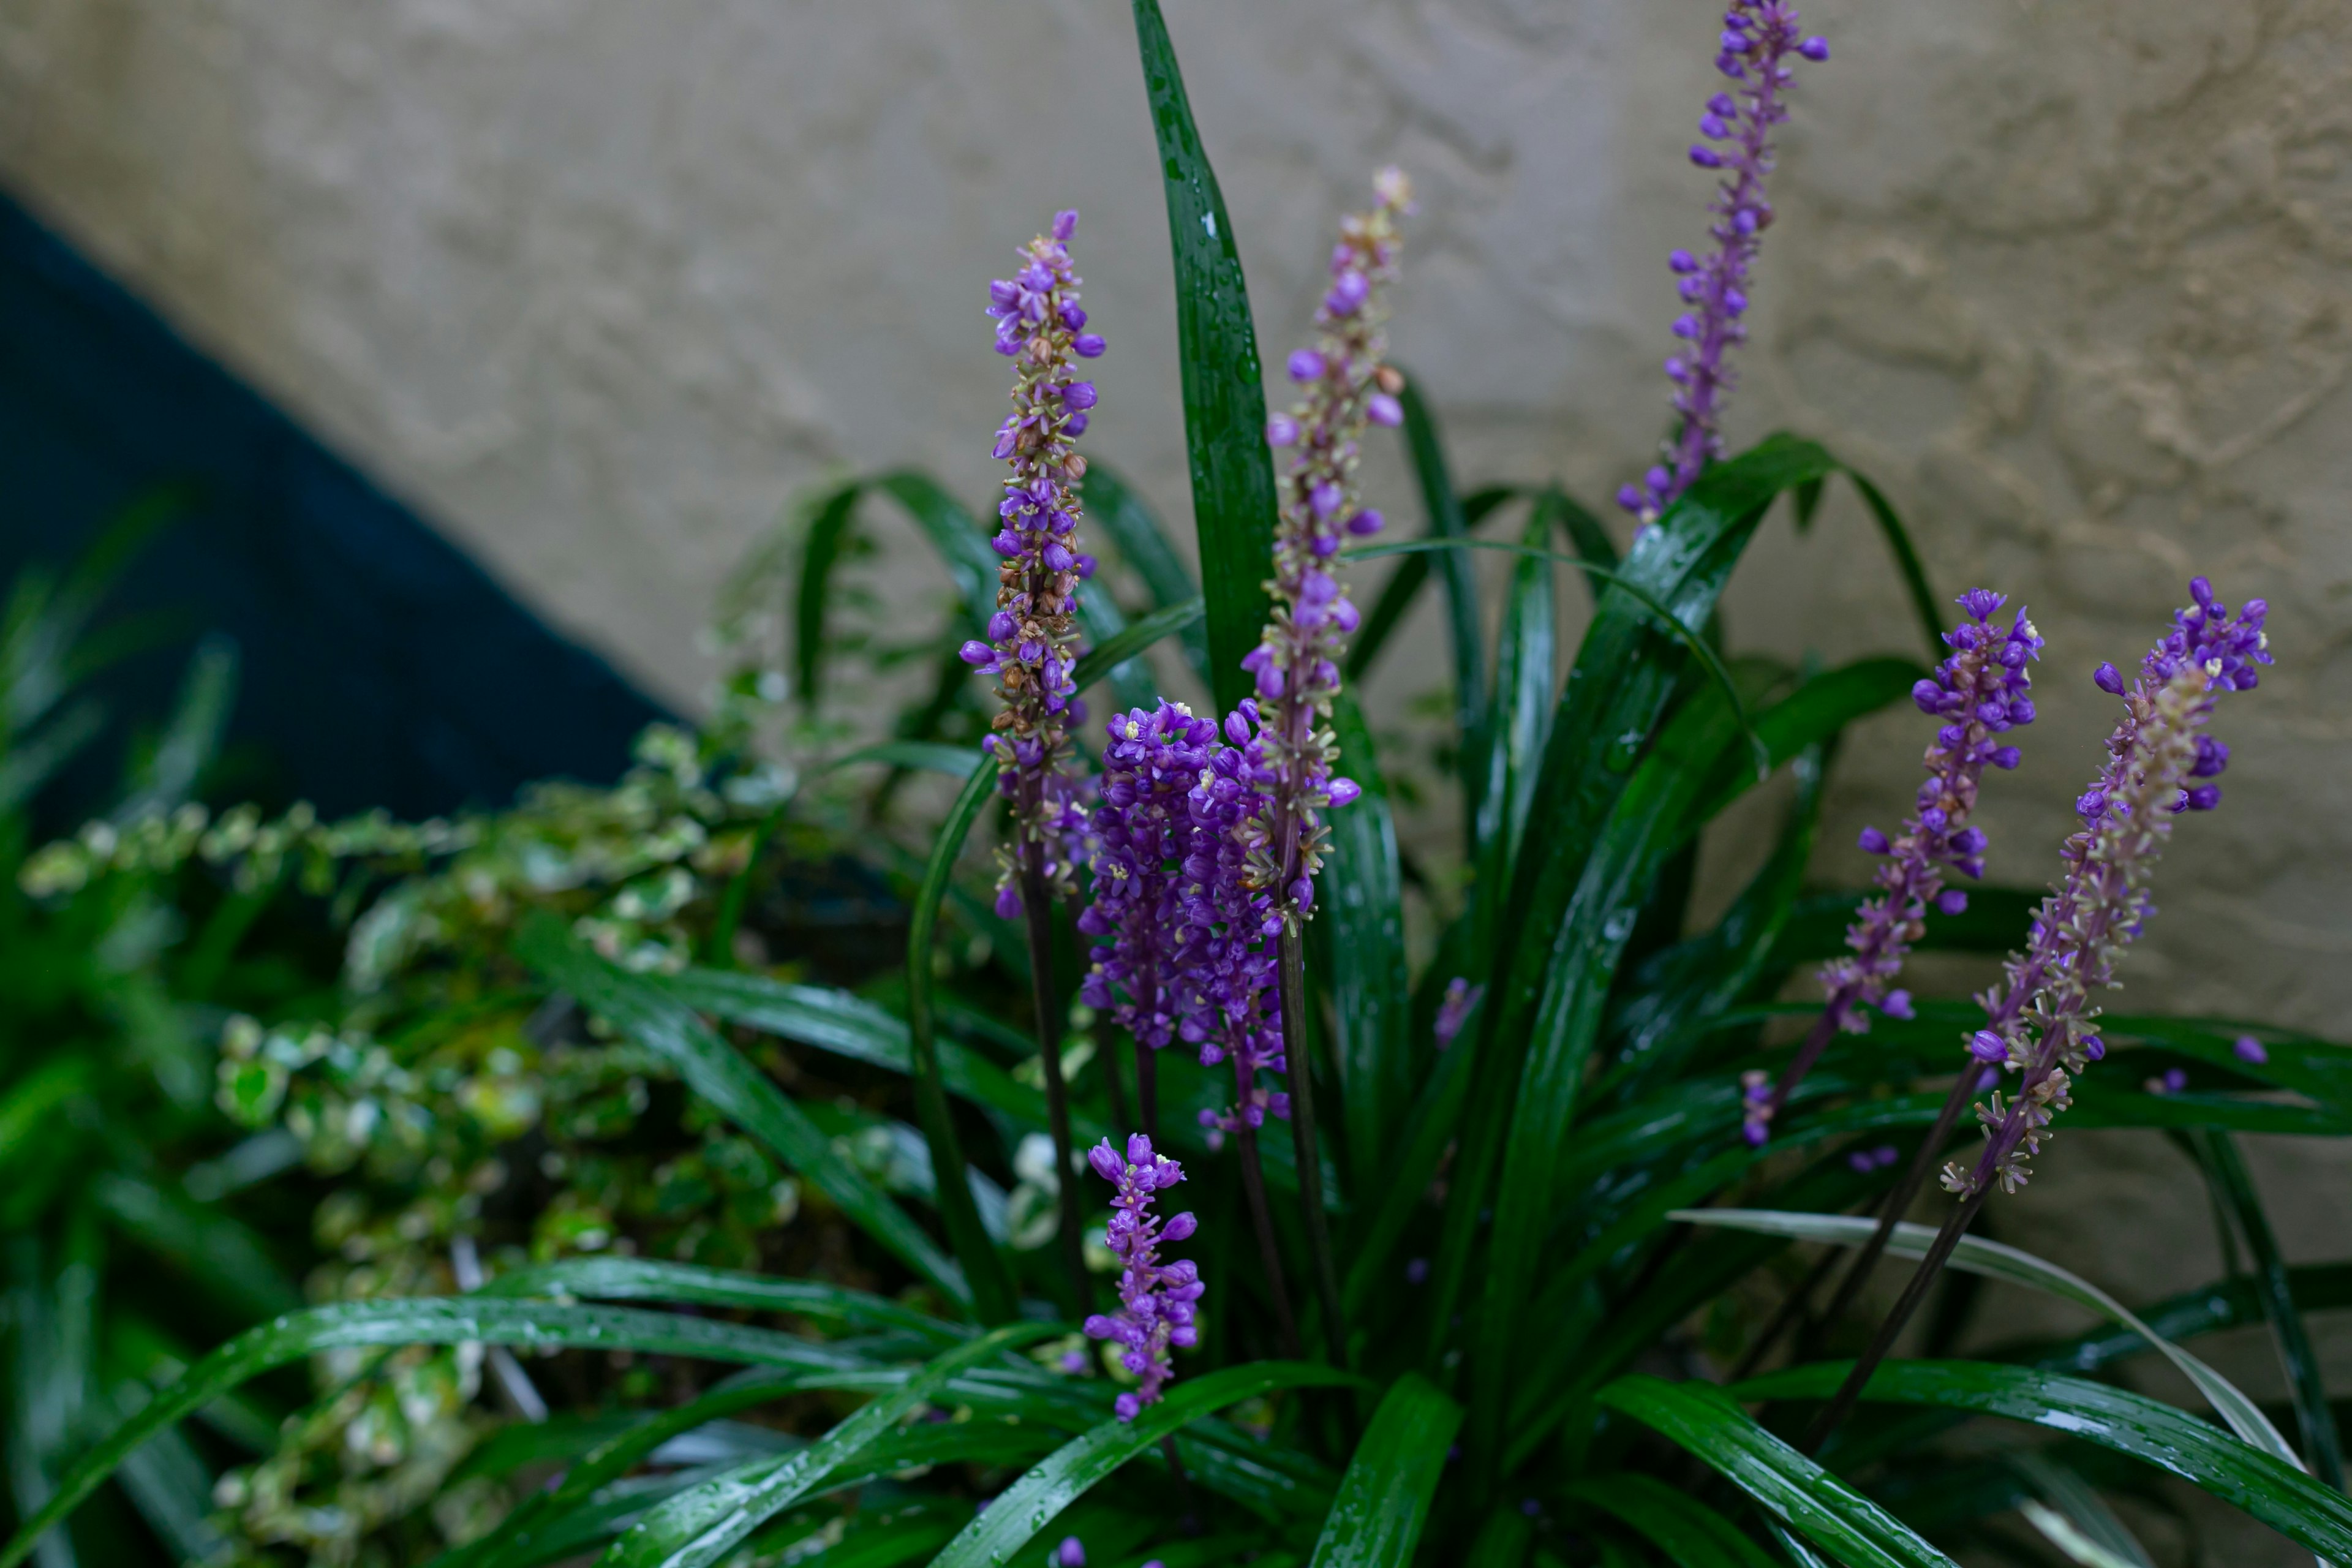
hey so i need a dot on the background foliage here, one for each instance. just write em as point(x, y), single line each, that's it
point(603, 1136)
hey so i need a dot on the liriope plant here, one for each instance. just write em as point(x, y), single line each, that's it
point(1427, 1326)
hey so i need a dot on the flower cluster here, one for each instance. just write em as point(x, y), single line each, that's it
point(1982, 692)
point(1227, 957)
point(1143, 833)
point(2041, 1023)
point(1155, 1297)
point(1757, 38)
point(1296, 662)
point(1040, 325)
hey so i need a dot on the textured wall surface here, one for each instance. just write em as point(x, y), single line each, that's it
point(600, 283)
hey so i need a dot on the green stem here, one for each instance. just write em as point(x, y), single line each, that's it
point(1292, 981)
point(1947, 1240)
point(1036, 904)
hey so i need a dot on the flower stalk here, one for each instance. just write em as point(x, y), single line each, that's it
point(2042, 1023)
point(1041, 326)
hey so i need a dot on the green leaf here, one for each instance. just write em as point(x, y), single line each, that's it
point(700, 1526)
point(647, 1279)
point(1701, 1419)
point(959, 537)
point(995, 1298)
point(1975, 1255)
point(1651, 817)
point(1362, 926)
point(928, 756)
point(216, 1248)
point(426, 1320)
point(829, 517)
point(1404, 584)
point(1690, 1533)
point(641, 1009)
point(1383, 1501)
point(1525, 651)
point(1224, 387)
point(2233, 1191)
point(1426, 448)
point(1099, 617)
point(1138, 635)
point(851, 1026)
point(168, 773)
point(2270, 1489)
point(1136, 532)
point(1024, 1509)
point(1923, 602)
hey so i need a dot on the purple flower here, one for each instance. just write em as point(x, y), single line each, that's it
point(1143, 833)
point(1296, 661)
point(2041, 1015)
point(1155, 1299)
point(2249, 1049)
point(1226, 959)
point(1453, 1009)
point(1038, 316)
point(1757, 38)
point(1980, 692)
point(1071, 1554)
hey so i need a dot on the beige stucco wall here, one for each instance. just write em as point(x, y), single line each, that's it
point(599, 283)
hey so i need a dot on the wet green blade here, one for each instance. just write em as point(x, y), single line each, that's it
point(221, 1251)
point(1404, 584)
point(1383, 1501)
point(719, 1075)
point(1099, 617)
point(1021, 1513)
point(1137, 635)
point(297, 1335)
point(2233, 1187)
point(1135, 531)
point(1923, 602)
point(1690, 1533)
point(1425, 446)
point(1525, 650)
point(1995, 1262)
point(995, 1298)
point(1361, 905)
point(1699, 1418)
point(1224, 387)
point(829, 519)
point(698, 1527)
point(957, 535)
point(694, 1284)
point(2273, 1491)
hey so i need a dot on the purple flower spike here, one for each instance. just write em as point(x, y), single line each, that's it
point(2041, 1013)
point(1757, 38)
point(2249, 1049)
point(1143, 832)
point(1980, 692)
point(1156, 1299)
point(1037, 318)
point(1296, 662)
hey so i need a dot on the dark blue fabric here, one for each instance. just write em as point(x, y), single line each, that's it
point(380, 666)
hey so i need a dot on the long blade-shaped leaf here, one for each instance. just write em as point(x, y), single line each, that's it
point(703, 1524)
point(1426, 448)
point(1030, 1504)
point(295, 1335)
point(1225, 388)
point(1701, 1419)
point(1132, 640)
point(1122, 515)
point(1690, 1533)
point(1995, 1262)
point(825, 531)
point(1362, 926)
point(1906, 560)
point(737, 1090)
point(2269, 1488)
point(1652, 818)
point(994, 1297)
point(648, 1280)
point(1383, 1500)
point(1525, 651)
point(1411, 574)
point(2233, 1187)
point(956, 534)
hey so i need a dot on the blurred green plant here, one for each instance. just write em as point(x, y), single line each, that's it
point(628, 1086)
